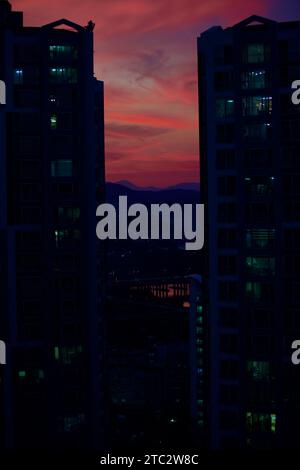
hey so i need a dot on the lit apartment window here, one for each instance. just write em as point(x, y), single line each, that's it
point(258, 370)
point(67, 355)
point(53, 100)
point(63, 75)
point(62, 52)
point(254, 290)
point(53, 122)
point(61, 168)
point(224, 108)
point(260, 238)
point(260, 266)
point(69, 214)
point(261, 422)
point(257, 105)
point(260, 291)
point(65, 235)
point(256, 53)
point(18, 76)
point(255, 79)
point(34, 375)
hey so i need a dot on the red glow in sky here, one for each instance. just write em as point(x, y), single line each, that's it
point(145, 51)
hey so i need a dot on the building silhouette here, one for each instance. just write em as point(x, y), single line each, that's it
point(155, 363)
point(250, 173)
point(51, 180)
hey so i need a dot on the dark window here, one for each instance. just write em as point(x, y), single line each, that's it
point(228, 317)
point(228, 291)
point(223, 55)
point(291, 239)
point(259, 185)
point(26, 53)
point(291, 185)
point(291, 130)
point(226, 185)
point(229, 369)
point(258, 158)
point(259, 212)
point(227, 238)
point(290, 157)
point(229, 419)
point(229, 343)
point(227, 212)
point(229, 394)
point(223, 80)
point(225, 133)
point(225, 159)
point(257, 132)
point(227, 265)
point(260, 318)
point(292, 210)
point(260, 344)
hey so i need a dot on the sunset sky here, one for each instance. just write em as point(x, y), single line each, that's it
point(145, 51)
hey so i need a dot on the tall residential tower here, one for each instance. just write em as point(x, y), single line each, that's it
point(51, 179)
point(250, 184)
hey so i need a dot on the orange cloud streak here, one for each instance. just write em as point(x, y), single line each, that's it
point(145, 51)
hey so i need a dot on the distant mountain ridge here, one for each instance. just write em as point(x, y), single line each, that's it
point(174, 194)
point(184, 186)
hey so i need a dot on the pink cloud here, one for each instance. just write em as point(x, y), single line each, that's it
point(145, 51)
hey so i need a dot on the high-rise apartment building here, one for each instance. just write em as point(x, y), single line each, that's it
point(156, 361)
point(51, 180)
point(250, 174)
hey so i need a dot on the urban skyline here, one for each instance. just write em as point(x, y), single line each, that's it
point(141, 47)
point(130, 341)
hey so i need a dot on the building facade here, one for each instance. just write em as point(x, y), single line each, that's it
point(51, 181)
point(250, 170)
point(156, 363)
